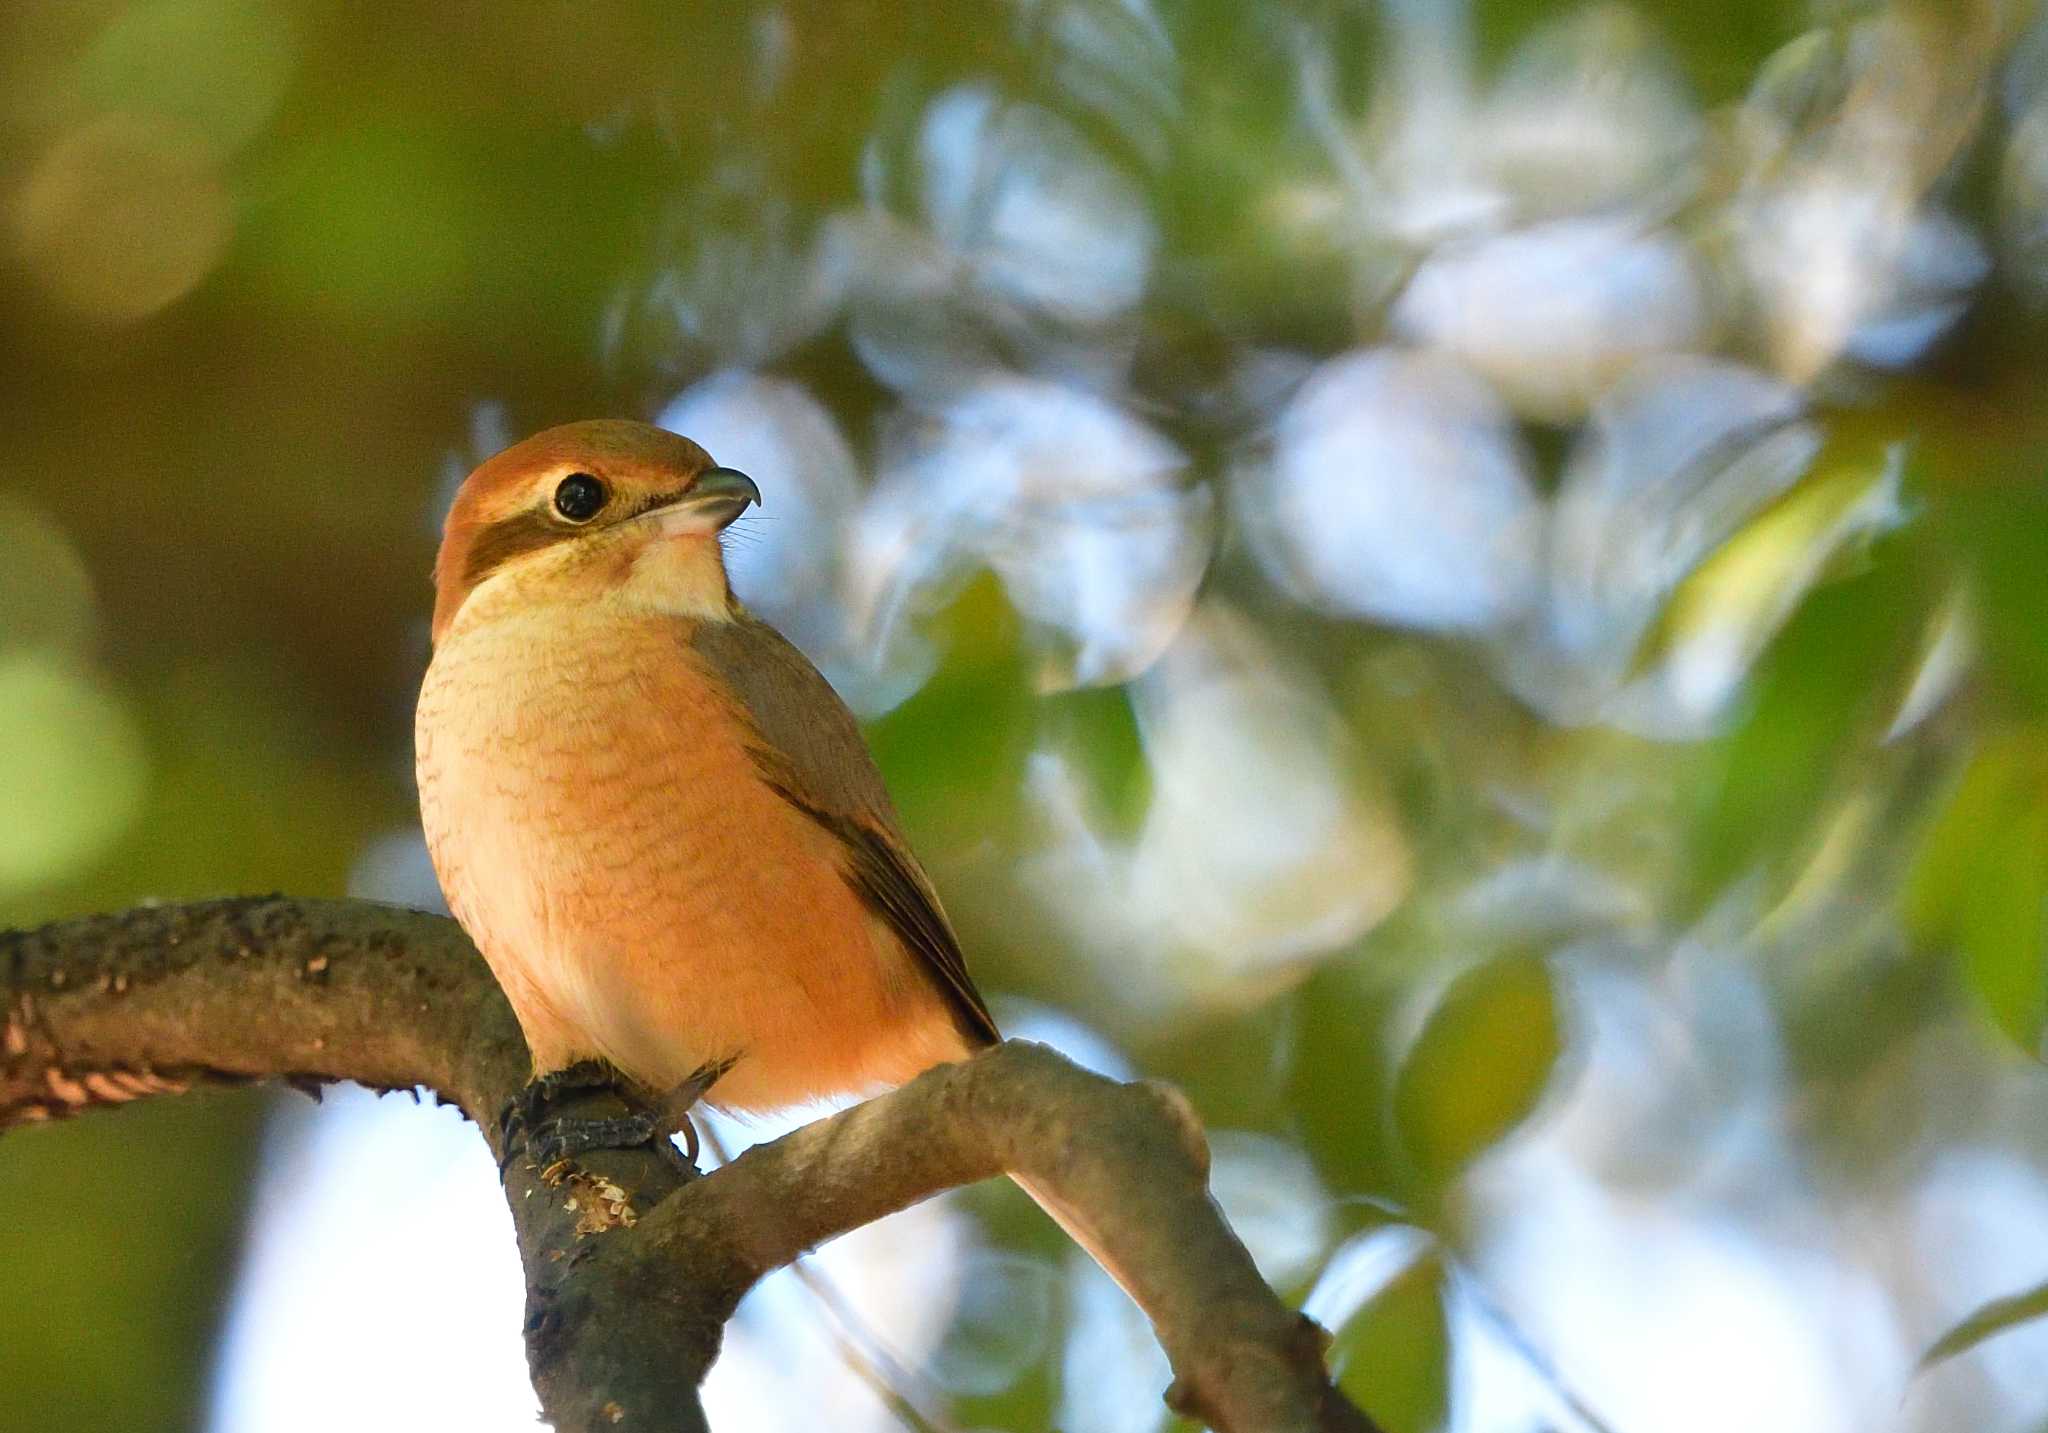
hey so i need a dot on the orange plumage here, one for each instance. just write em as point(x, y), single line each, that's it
point(654, 817)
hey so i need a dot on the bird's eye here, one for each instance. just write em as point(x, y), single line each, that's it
point(580, 497)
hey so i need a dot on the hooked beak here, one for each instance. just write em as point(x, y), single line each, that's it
point(711, 503)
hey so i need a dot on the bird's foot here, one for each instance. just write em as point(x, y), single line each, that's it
point(569, 1136)
point(528, 1109)
point(531, 1126)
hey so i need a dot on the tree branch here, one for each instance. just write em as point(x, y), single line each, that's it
point(631, 1272)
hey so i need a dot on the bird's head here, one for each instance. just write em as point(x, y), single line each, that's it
point(589, 508)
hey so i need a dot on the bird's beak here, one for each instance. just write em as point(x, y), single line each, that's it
point(711, 503)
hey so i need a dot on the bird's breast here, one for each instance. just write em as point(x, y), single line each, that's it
point(599, 826)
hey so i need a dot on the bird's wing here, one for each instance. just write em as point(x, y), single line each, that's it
point(808, 748)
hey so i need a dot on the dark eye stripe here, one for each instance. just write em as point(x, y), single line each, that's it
point(506, 539)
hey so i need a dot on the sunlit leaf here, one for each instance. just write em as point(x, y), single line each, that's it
point(1987, 1322)
point(1393, 1357)
point(1480, 1064)
point(1730, 608)
point(1825, 692)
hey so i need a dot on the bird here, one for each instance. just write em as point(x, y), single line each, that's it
point(655, 818)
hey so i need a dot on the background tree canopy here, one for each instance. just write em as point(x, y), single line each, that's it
point(1469, 581)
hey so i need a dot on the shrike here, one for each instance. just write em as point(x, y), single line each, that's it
point(655, 818)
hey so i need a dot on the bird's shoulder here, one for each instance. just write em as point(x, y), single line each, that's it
point(804, 733)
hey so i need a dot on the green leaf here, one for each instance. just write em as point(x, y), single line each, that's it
point(1340, 1082)
point(1980, 883)
point(1393, 1357)
point(1480, 1064)
point(2000, 782)
point(2000, 530)
point(1992, 1319)
point(2002, 930)
point(1823, 694)
point(1096, 729)
point(954, 753)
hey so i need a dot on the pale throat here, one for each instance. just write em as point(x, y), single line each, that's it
point(680, 576)
point(672, 576)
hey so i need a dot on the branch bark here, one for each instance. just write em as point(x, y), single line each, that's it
point(631, 1271)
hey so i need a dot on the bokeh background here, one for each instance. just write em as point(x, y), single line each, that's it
point(1467, 579)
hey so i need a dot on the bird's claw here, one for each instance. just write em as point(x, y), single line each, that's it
point(678, 1102)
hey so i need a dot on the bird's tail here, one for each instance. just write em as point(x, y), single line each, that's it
point(1077, 1229)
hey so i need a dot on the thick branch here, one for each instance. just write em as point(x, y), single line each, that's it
point(632, 1274)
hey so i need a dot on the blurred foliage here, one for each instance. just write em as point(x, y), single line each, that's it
point(1395, 1354)
point(1464, 580)
point(1981, 885)
point(1479, 1065)
point(1995, 1317)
